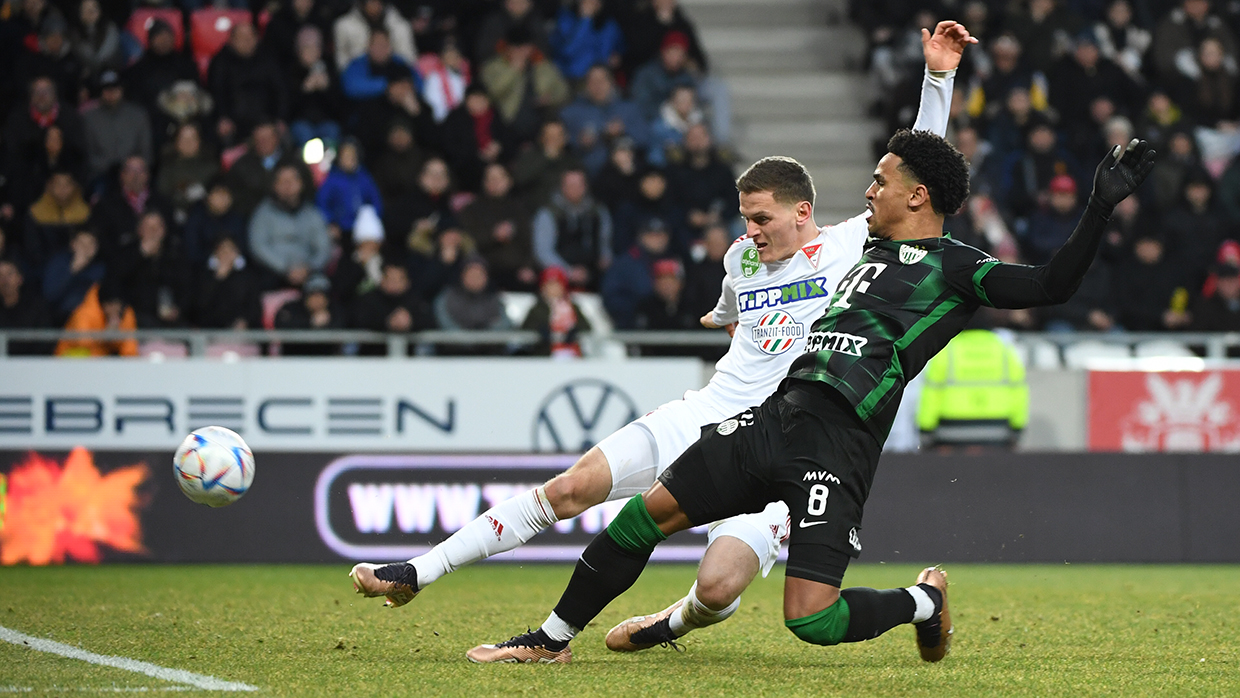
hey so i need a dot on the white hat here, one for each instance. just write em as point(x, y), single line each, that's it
point(367, 226)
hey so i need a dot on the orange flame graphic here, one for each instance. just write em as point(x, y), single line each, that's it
point(54, 511)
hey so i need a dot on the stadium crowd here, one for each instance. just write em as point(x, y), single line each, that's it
point(394, 165)
point(1054, 84)
point(389, 165)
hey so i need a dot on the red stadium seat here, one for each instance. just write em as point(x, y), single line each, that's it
point(208, 32)
point(140, 23)
point(271, 302)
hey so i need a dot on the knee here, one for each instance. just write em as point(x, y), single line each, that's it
point(717, 592)
point(826, 627)
point(809, 635)
point(565, 493)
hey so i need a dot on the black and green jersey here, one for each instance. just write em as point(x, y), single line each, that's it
point(897, 307)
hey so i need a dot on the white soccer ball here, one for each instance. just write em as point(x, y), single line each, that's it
point(214, 466)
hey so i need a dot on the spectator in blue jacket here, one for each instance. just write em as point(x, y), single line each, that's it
point(367, 77)
point(599, 116)
point(653, 83)
point(71, 273)
point(584, 37)
point(348, 186)
point(630, 279)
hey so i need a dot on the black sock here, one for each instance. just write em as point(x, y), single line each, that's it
point(873, 612)
point(604, 571)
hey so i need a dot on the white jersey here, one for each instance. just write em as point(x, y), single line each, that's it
point(775, 303)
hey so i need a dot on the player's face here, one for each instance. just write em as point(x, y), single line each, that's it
point(888, 195)
point(771, 225)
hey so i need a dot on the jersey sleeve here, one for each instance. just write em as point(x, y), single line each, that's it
point(936, 101)
point(965, 269)
point(851, 234)
point(978, 276)
point(727, 310)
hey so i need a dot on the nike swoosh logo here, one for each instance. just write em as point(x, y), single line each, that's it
point(807, 524)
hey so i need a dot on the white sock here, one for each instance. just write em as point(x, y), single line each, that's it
point(925, 605)
point(557, 629)
point(505, 526)
point(693, 614)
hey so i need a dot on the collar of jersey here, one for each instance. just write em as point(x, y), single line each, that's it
point(945, 235)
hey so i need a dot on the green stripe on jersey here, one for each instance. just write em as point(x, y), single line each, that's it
point(895, 372)
point(977, 280)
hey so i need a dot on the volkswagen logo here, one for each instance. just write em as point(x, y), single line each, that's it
point(576, 415)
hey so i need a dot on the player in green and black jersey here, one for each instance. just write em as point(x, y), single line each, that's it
point(815, 442)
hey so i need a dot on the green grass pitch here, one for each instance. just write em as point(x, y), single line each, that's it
point(1021, 630)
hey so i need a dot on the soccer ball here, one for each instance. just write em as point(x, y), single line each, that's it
point(213, 466)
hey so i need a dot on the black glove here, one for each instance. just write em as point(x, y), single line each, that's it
point(1115, 181)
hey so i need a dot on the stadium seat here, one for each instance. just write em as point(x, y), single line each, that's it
point(1159, 348)
point(208, 33)
point(591, 305)
point(271, 302)
point(1040, 354)
point(230, 351)
point(517, 305)
point(598, 342)
point(160, 349)
point(1083, 354)
point(140, 22)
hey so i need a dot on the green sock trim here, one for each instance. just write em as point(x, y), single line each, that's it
point(826, 627)
point(634, 529)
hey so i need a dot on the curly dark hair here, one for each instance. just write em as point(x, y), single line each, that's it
point(932, 161)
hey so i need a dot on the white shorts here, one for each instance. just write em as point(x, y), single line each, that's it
point(641, 450)
point(765, 532)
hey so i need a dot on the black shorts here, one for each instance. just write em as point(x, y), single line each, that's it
point(804, 445)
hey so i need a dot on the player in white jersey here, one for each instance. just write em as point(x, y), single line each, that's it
point(779, 278)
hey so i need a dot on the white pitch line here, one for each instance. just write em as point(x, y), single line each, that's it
point(97, 689)
point(154, 670)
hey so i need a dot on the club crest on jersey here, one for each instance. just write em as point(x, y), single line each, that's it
point(776, 332)
point(782, 295)
point(749, 262)
point(811, 252)
point(842, 342)
point(911, 255)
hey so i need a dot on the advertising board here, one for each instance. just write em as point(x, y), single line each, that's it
point(334, 405)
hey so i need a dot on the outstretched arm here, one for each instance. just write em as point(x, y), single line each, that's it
point(726, 313)
point(1018, 286)
point(943, 50)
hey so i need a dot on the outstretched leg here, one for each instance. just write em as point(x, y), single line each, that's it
point(506, 526)
point(710, 480)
